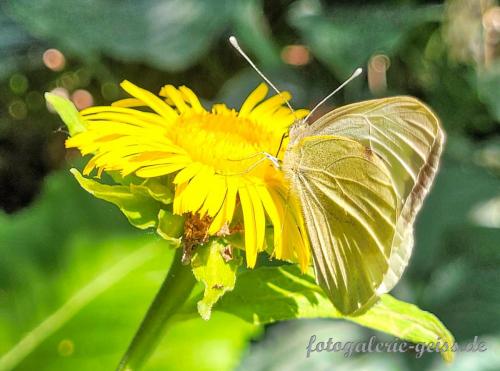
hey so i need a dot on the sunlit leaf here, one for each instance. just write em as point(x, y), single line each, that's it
point(270, 294)
point(214, 266)
point(98, 283)
point(156, 188)
point(141, 210)
point(66, 109)
point(170, 227)
point(406, 321)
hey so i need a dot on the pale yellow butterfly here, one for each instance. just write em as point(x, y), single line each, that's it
point(360, 174)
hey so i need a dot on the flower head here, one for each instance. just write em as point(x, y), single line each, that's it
point(216, 158)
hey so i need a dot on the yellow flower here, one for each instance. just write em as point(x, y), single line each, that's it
point(217, 158)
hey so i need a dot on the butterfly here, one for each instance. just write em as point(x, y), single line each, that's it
point(360, 174)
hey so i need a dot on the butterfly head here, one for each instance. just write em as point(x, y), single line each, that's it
point(297, 130)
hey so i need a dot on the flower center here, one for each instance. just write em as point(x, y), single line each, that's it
point(228, 143)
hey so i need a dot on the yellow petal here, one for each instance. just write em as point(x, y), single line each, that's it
point(187, 173)
point(150, 99)
point(260, 218)
point(225, 214)
point(216, 195)
point(196, 191)
point(179, 194)
point(255, 97)
point(159, 170)
point(140, 161)
point(90, 166)
point(221, 109)
point(219, 220)
point(146, 116)
point(192, 99)
point(272, 212)
point(232, 190)
point(125, 118)
point(171, 92)
point(270, 105)
point(250, 227)
point(128, 102)
point(301, 113)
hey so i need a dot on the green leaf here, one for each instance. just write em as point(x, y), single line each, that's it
point(470, 184)
point(170, 227)
point(61, 212)
point(170, 35)
point(406, 321)
point(87, 313)
point(140, 209)
point(346, 37)
point(156, 188)
point(76, 303)
point(469, 258)
point(487, 85)
point(270, 294)
point(15, 45)
point(74, 255)
point(252, 31)
point(68, 113)
point(143, 204)
point(217, 274)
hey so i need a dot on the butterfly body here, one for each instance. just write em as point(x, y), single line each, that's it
point(360, 174)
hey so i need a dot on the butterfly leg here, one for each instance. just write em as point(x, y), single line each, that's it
point(266, 155)
point(247, 157)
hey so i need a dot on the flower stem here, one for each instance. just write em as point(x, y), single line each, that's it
point(173, 293)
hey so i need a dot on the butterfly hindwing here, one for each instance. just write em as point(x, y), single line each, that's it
point(350, 207)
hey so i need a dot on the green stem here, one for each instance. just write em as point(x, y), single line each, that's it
point(174, 291)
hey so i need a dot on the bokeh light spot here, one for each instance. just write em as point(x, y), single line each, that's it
point(18, 84)
point(84, 76)
point(66, 347)
point(110, 91)
point(18, 110)
point(82, 99)
point(296, 55)
point(377, 77)
point(54, 59)
point(69, 80)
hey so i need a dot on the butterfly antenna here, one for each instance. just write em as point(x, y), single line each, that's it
point(355, 74)
point(234, 43)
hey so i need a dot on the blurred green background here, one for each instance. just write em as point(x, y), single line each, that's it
point(59, 247)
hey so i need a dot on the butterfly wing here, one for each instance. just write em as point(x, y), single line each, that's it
point(350, 207)
point(406, 135)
